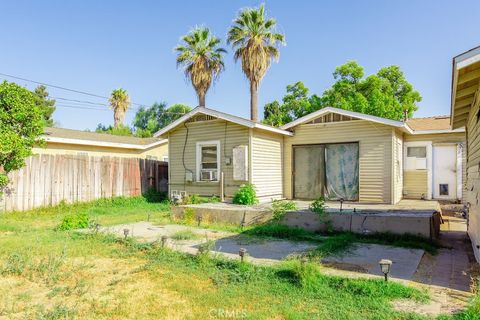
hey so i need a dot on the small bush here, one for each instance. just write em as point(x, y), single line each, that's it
point(318, 205)
point(196, 199)
point(16, 264)
point(246, 195)
point(305, 274)
point(280, 207)
point(188, 215)
point(152, 195)
point(74, 221)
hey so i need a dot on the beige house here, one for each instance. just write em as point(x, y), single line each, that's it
point(76, 142)
point(337, 153)
point(466, 112)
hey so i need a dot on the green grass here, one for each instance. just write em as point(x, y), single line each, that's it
point(338, 242)
point(48, 274)
point(185, 235)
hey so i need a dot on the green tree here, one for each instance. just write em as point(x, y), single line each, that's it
point(21, 125)
point(119, 102)
point(386, 94)
point(256, 42)
point(149, 120)
point(201, 59)
point(45, 103)
point(121, 130)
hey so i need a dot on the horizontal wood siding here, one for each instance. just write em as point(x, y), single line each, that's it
point(375, 163)
point(473, 175)
point(229, 135)
point(415, 184)
point(267, 164)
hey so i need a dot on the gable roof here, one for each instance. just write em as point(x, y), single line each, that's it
point(223, 116)
point(430, 123)
point(343, 112)
point(465, 80)
point(70, 136)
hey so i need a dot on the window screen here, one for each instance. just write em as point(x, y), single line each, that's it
point(209, 157)
point(417, 152)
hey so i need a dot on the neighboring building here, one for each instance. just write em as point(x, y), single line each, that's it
point(76, 142)
point(466, 112)
point(331, 152)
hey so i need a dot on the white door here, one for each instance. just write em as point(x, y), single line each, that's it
point(445, 172)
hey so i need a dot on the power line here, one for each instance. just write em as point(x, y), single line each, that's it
point(63, 88)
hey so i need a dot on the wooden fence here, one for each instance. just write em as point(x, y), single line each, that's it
point(48, 179)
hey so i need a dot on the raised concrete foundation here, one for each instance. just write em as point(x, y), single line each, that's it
point(424, 224)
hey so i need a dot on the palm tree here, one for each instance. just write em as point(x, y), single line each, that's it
point(119, 102)
point(201, 59)
point(256, 42)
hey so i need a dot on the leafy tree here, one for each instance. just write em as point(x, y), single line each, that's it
point(149, 120)
point(46, 104)
point(119, 102)
point(386, 94)
point(21, 125)
point(121, 130)
point(201, 59)
point(256, 42)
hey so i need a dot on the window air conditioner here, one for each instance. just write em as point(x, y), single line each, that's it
point(208, 175)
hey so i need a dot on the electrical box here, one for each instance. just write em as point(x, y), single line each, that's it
point(189, 176)
point(240, 163)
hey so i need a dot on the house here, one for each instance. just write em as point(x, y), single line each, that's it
point(465, 111)
point(213, 153)
point(76, 142)
point(337, 153)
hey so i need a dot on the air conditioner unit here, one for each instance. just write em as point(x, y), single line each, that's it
point(208, 175)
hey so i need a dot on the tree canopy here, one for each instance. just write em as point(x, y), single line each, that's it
point(201, 58)
point(255, 40)
point(45, 103)
point(21, 125)
point(386, 94)
point(149, 120)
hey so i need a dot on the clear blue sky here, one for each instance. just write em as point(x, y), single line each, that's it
point(96, 46)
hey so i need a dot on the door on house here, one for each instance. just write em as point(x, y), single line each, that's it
point(444, 175)
point(330, 170)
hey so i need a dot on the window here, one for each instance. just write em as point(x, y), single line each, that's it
point(208, 160)
point(417, 152)
point(150, 157)
point(443, 189)
point(165, 158)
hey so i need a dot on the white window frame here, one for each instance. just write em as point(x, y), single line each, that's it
point(428, 145)
point(201, 144)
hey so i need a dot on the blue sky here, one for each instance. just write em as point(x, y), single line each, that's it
point(96, 46)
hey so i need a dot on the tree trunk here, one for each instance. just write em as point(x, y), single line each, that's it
point(118, 118)
point(201, 99)
point(253, 101)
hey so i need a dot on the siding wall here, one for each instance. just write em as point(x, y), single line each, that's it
point(416, 182)
point(397, 165)
point(473, 176)
point(267, 164)
point(375, 142)
point(229, 135)
point(96, 151)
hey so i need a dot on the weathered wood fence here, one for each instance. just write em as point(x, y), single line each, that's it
point(48, 179)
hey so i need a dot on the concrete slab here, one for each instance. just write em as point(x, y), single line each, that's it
point(365, 257)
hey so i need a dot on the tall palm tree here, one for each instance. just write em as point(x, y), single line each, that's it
point(201, 59)
point(119, 102)
point(256, 42)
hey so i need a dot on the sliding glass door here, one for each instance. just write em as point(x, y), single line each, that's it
point(330, 170)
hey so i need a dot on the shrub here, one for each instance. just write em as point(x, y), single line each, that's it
point(318, 205)
point(196, 199)
point(74, 221)
point(152, 195)
point(246, 195)
point(280, 207)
